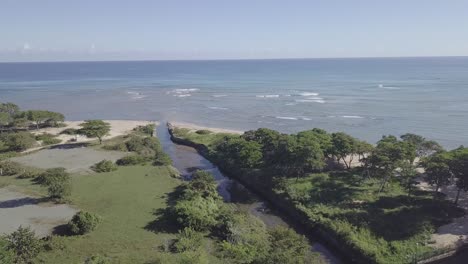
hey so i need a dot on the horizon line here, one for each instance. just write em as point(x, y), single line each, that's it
point(241, 59)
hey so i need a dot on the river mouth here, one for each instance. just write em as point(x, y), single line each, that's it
point(187, 160)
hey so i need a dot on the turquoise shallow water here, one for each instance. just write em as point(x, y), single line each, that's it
point(364, 97)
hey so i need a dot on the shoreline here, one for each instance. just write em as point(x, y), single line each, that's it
point(195, 127)
point(118, 128)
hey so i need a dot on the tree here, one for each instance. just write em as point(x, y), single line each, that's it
point(343, 145)
point(95, 128)
point(363, 148)
point(236, 151)
point(83, 222)
point(10, 108)
point(287, 247)
point(321, 137)
point(437, 169)
point(387, 156)
point(408, 174)
point(423, 147)
point(4, 121)
point(268, 140)
point(37, 116)
point(24, 244)
point(459, 169)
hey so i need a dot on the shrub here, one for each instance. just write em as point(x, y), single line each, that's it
point(203, 132)
point(19, 141)
point(6, 255)
point(69, 131)
point(59, 189)
point(48, 139)
point(144, 146)
point(9, 168)
point(117, 147)
point(57, 181)
point(51, 141)
point(51, 175)
point(131, 160)
point(83, 222)
point(24, 244)
point(135, 144)
point(104, 166)
point(162, 159)
point(188, 240)
point(44, 136)
point(29, 173)
point(198, 213)
point(52, 243)
point(97, 259)
point(148, 129)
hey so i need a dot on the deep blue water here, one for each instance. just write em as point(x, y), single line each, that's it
point(364, 97)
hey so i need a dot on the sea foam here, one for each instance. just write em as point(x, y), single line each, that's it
point(267, 96)
point(218, 108)
point(352, 116)
point(286, 117)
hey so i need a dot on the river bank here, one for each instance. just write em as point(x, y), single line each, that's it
point(289, 208)
point(187, 157)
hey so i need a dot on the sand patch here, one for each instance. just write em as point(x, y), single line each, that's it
point(17, 209)
point(455, 233)
point(118, 128)
point(194, 128)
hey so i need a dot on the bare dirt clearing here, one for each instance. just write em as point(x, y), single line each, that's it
point(76, 159)
point(17, 209)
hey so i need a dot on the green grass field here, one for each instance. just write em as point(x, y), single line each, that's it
point(126, 200)
point(208, 140)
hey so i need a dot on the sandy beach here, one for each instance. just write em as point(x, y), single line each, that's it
point(118, 128)
point(195, 127)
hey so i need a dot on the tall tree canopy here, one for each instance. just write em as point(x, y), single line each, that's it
point(437, 169)
point(343, 145)
point(95, 129)
point(459, 168)
point(423, 147)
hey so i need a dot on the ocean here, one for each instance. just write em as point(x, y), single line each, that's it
point(366, 98)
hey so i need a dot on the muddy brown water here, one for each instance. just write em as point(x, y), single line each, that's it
point(187, 159)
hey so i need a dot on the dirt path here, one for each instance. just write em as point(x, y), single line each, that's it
point(455, 233)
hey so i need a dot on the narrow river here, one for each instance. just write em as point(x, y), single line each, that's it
point(186, 160)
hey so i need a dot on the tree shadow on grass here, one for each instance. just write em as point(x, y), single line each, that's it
point(401, 217)
point(332, 192)
point(61, 230)
point(70, 145)
point(14, 203)
point(166, 221)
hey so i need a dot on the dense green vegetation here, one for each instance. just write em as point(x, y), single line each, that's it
point(238, 237)
point(362, 195)
point(83, 223)
point(15, 125)
point(104, 166)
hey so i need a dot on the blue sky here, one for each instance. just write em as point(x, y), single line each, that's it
point(32, 30)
